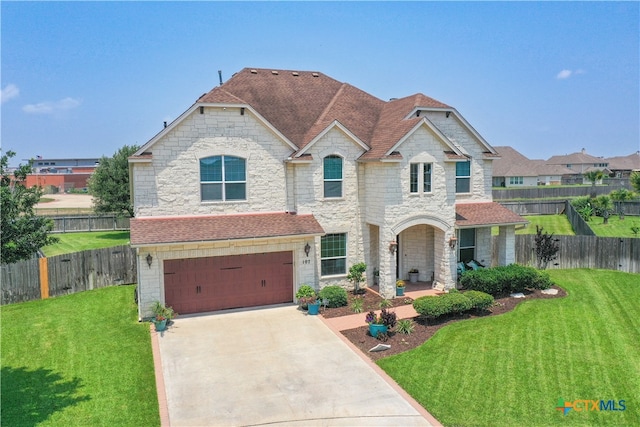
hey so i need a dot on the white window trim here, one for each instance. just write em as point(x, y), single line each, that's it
point(421, 181)
point(341, 180)
point(466, 176)
point(223, 182)
point(346, 250)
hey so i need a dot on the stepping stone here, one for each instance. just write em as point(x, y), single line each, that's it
point(517, 295)
point(550, 291)
point(380, 347)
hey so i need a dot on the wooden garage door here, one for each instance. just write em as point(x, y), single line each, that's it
point(195, 285)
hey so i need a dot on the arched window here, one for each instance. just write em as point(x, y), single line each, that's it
point(223, 178)
point(333, 176)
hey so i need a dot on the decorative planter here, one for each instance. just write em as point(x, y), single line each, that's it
point(374, 329)
point(413, 277)
point(160, 325)
point(314, 308)
point(400, 291)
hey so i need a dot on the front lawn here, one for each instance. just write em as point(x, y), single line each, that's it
point(511, 370)
point(77, 360)
point(84, 241)
point(615, 227)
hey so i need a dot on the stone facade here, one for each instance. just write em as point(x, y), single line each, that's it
point(376, 208)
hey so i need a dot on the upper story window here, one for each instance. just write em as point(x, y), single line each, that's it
point(420, 178)
point(333, 176)
point(223, 178)
point(463, 177)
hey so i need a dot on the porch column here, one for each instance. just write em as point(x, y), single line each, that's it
point(444, 259)
point(387, 279)
point(506, 244)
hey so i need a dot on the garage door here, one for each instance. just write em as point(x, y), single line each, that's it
point(195, 285)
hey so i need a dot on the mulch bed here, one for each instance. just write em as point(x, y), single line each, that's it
point(424, 329)
point(371, 301)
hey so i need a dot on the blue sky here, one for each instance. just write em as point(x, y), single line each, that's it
point(82, 79)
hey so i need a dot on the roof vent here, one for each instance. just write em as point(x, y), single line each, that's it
point(254, 71)
point(274, 72)
point(314, 74)
point(295, 74)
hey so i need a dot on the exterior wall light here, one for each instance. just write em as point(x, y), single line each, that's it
point(149, 260)
point(307, 249)
point(393, 246)
point(452, 242)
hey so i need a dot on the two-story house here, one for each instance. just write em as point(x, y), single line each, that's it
point(281, 178)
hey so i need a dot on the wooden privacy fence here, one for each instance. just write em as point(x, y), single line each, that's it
point(545, 192)
point(579, 225)
point(542, 207)
point(610, 253)
point(67, 274)
point(67, 224)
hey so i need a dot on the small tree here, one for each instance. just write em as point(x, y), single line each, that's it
point(594, 176)
point(109, 184)
point(23, 232)
point(546, 247)
point(634, 179)
point(355, 275)
point(603, 207)
point(620, 196)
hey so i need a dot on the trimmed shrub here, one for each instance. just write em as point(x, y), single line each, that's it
point(479, 300)
point(505, 279)
point(457, 302)
point(435, 306)
point(305, 291)
point(335, 295)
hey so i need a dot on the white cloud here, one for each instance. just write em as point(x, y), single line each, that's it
point(9, 92)
point(50, 107)
point(565, 74)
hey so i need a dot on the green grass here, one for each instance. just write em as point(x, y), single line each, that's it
point(510, 370)
point(556, 224)
point(615, 227)
point(77, 360)
point(75, 242)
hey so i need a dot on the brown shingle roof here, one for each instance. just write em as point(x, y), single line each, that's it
point(301, 104)
point(209, 228)
point(485, 214)
point(630, 162)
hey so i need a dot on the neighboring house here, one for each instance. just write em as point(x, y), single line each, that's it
point(60, 175)
point(622, 166)
point(580, 163)
point(513, 169)
point(280, 178)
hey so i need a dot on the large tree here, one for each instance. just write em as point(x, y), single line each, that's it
point(22, 232)
point(109, 184)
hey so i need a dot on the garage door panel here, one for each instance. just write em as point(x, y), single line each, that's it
point(216, 283)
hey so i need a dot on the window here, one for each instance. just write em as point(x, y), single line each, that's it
point(333, 176)
point(223, 178)
point(467, 244)
point(463, 177)
point(418, 172)
point(515, 180)
point(333, 254)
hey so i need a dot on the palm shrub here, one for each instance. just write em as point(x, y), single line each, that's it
point(335, 296)
point(405, 326)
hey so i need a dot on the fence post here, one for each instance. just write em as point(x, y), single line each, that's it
point(44, 277)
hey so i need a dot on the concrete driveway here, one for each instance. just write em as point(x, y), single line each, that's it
point(275, 366)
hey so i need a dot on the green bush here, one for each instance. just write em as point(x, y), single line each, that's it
point(505, 279)
point(435, 306)
point(335, 295)
point(479, 300)
point(305, 291)
point(457, 302)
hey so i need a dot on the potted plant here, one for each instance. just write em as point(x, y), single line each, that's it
point(400, 288)
point(376, 276)
point(413, 275)
point(304, 293)
point(313, 304)
point(380, 324)
point(162, 315)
